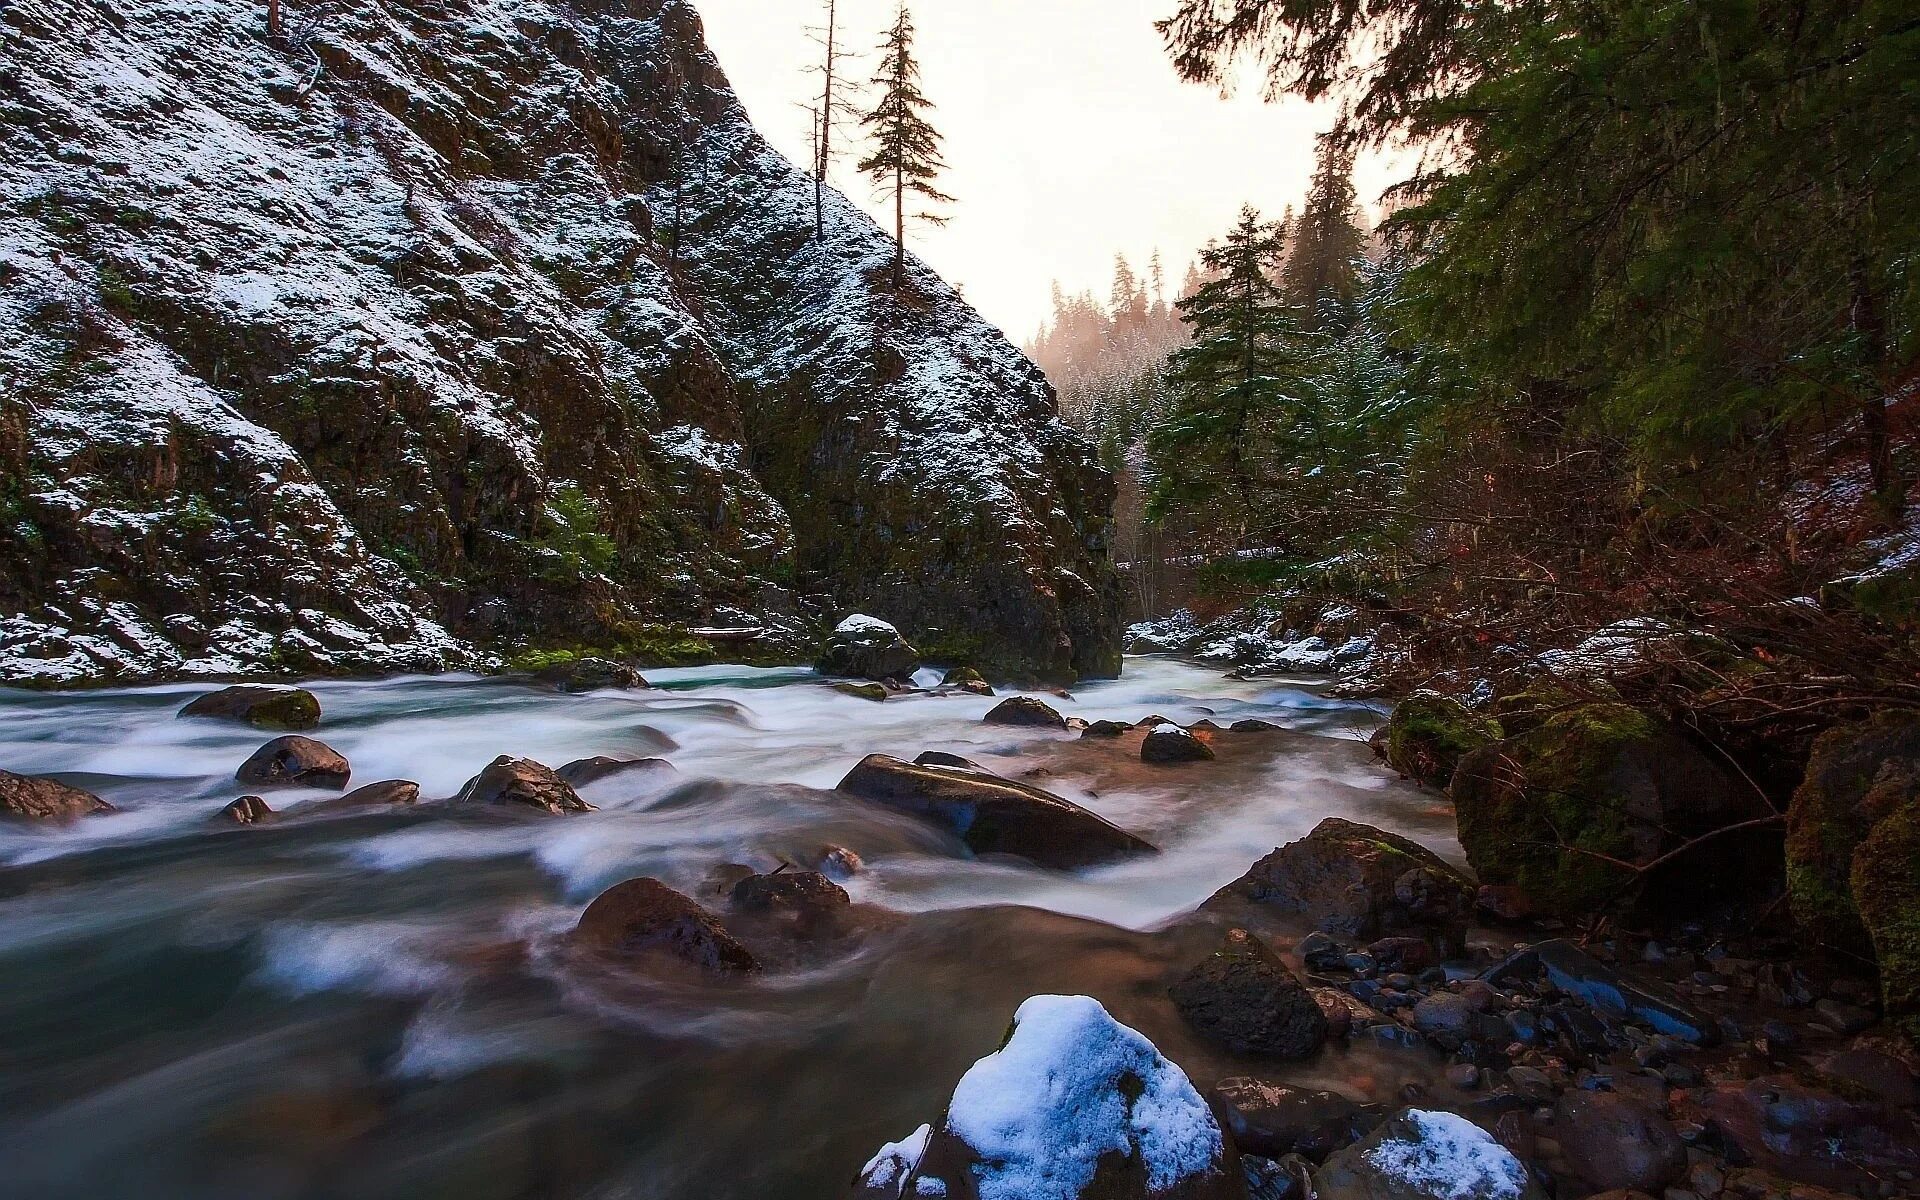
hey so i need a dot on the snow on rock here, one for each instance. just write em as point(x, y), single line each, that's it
point(885, 1175)
point(1423, 1155)
point(1620, 646)
point(1071, 1095)
point(861, 627)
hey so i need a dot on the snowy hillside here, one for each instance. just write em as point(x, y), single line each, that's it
point(421, 333)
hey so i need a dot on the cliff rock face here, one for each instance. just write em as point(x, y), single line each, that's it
point(426, 330)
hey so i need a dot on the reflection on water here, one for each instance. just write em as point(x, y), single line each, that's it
point(379, 1004)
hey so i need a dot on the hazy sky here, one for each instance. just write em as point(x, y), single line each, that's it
point(1068, 134)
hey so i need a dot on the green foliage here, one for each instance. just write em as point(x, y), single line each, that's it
point(1699, 218)
point(575, 534)
point(906, 156)
point(116, 291)
point(196, 516)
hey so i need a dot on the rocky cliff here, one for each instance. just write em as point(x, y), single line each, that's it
point(425, 332)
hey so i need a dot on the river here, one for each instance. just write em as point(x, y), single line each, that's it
point(382, 1004)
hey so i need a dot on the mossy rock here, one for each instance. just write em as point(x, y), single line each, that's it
point(1428, 734)
point(960, 676)
point(1554, 810)
point(862, 691)
point(1886, 889)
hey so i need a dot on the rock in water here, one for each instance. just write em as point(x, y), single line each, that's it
point(1429, 733)
point(522, 781)
point(993, 815)
point(967, 679)
point(1355, 882)
point(583, 771)
point(582, 675)
point(644, 917)
point(31, 798)
point(1273, 1121)
point(388, 793)
point(885, 1175)
point(863, 647)
point(1171, 744)
point(1421, 1155)
point(1075, 1106)
point(295, 761)
point(1025, 711)
point(1249, 1001)
point(247, 810)
point(259, 705)
point(1613, 1141)
point(1577, 973)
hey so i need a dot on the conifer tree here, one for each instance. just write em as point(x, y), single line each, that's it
point(1236, 387)
point(1322, 274)
point(906, 156)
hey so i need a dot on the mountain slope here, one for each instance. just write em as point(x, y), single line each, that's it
point(428, 330)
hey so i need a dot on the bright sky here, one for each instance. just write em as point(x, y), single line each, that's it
point(1069, 137)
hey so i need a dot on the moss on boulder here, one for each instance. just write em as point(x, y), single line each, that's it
point(1853, 850)
point(1429, 733)
point(1555, 812)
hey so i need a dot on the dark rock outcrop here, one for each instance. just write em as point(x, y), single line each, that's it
point(993, 815)
point(1355, 882)
point(259, 705)
point(1544, 811)
point(457, 357)
point(1025, 711)
point(295, 761)
point(31, 798)
point(643, 918)
point(522, 782)
point(1243, 997)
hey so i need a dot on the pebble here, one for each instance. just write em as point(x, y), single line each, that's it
point(1464, 1076)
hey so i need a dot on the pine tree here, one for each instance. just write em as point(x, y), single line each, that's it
point(1328, 243)
point(906, 157)
point(1235, 389)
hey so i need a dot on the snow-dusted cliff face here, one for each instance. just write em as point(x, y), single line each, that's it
point(436, 328)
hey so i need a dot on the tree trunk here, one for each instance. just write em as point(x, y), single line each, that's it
point(1889, 490)
point(273, 19)
point(899, 227)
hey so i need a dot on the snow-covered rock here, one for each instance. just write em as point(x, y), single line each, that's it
point(864, 647)
point(422, 328)
point(1422, 1155)
point(1075, 1106)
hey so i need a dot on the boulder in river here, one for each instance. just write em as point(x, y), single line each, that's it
point(1171, 744)
point(1428, 734)
point(993, 815)
point(1546, 811)
point(1273, 1120)
point(1026, 711)
point(32, 798)
point(583, 771)
point(1246, 999)
point(1355, 882)
point(522, 781)
point(966, 679)
point(295, 761)
point(1105, 729)
point(875, 692)
point(644, 917)
point(1075, 1106)
point(863, 647)
point(580, 675)
point(247, 810)
point(1421, 1155)
point(805, 900)
point(263, 706)
point(388, 793)
point(1614, 1141)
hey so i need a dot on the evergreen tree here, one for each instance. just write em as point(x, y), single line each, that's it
point(906, 156)
point(1235, 390)
point(1327, 241)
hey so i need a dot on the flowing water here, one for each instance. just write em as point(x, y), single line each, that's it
point(383, 1004)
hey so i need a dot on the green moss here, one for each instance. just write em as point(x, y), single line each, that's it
point(1428, 734)
point(1543, 811)
point(1886, 889)
point(1856, 776)
point(196, 516)
point(862, 691)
